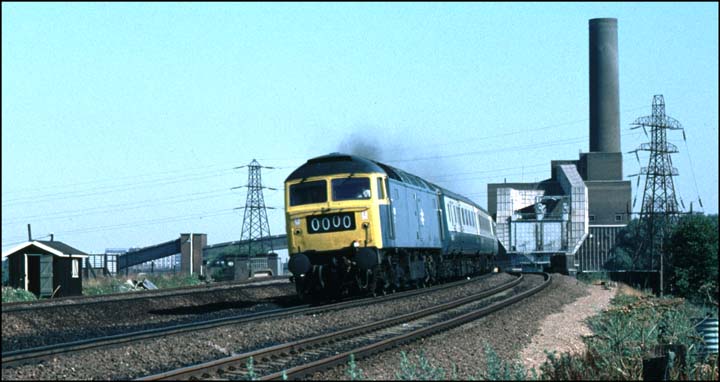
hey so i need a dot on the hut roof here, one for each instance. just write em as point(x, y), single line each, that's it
point(56, 248)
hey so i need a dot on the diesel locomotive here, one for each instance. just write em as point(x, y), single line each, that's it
point(357, 225)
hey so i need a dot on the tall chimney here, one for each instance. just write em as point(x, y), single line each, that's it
point(604, 93)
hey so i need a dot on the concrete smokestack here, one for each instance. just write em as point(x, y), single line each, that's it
point(604, 89)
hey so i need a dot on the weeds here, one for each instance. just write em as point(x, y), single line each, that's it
point(634, 327)
point(12, 295)
point(353, 371)
point(497, 369)
point(422, 370)
point(251, 376)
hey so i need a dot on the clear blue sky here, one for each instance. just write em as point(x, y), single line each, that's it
point(121, 123)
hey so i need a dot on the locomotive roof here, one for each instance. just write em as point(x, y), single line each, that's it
point(337, 163)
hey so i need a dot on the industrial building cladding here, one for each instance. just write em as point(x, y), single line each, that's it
point(589, 198)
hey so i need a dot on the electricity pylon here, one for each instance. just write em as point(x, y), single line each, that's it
point(255, 227)
point(659, 208)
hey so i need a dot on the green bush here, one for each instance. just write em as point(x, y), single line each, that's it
point(12, 295)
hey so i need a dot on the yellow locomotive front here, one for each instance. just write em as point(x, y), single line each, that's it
point(332, 207)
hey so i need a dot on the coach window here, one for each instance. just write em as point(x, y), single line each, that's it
point(350, 188)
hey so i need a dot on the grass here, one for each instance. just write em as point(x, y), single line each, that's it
point(12, 295)
point(109, 285)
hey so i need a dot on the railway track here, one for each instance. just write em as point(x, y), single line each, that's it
point(302, 358)
point(76, 301)
point(36, 354)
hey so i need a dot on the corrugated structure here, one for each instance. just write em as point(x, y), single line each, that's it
point(595, 251)
point(590, 200)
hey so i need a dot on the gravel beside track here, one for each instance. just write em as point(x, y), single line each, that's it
point(563, 331)
point(64, 323)
point(506, 331)
point(141, 293)
point(157, 355)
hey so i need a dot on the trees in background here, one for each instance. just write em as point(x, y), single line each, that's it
point(690, 251)
point(692, 258)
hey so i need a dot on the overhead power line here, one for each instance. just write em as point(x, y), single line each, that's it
point(109, 189)
point(120, 207)
point(138, 223)
point(114, 179)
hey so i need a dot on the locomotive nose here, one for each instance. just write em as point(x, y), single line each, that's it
point(299, 264)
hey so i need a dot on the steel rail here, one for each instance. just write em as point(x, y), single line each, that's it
point(366, 351)
point(24, 356)
point(229, 365)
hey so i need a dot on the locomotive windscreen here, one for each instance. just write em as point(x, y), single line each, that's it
point(350, 189)
point(308, 193)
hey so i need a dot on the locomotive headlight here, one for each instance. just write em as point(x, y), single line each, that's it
point(297, 232)
point(297, 222)
point(356, 244)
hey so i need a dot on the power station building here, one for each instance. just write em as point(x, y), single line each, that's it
point(573, 217)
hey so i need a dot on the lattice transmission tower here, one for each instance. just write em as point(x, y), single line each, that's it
point(660, 208)
point(255, 228)
point(659, 194)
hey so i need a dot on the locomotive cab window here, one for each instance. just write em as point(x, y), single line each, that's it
point(308, 193)
point(351, 189)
